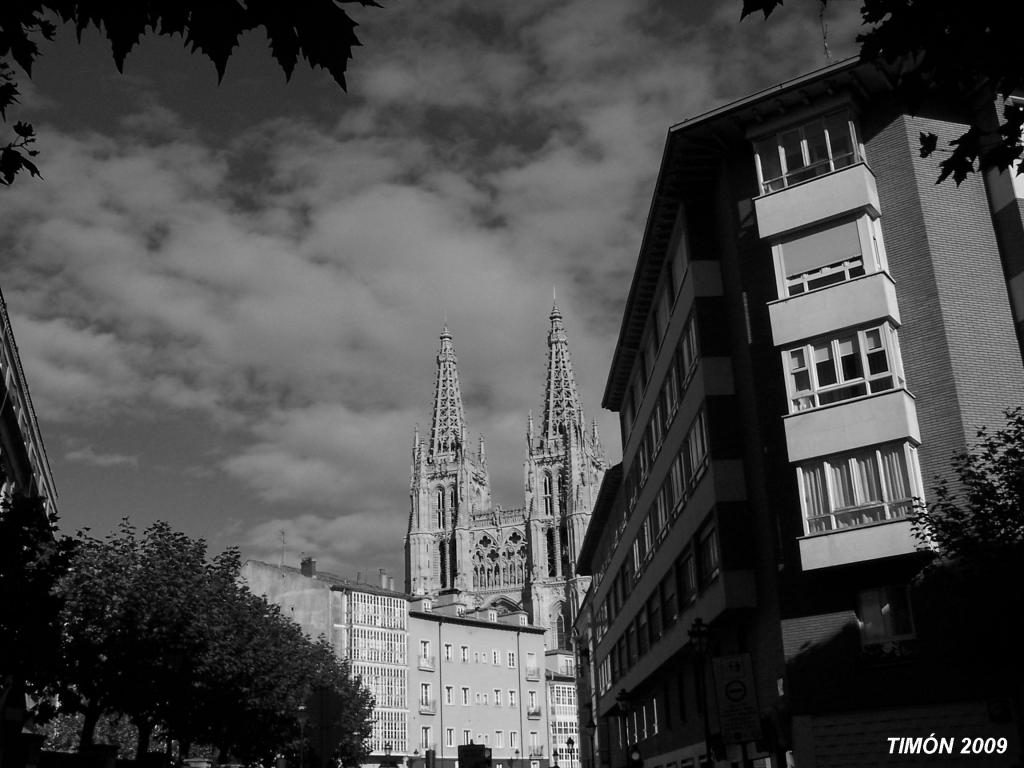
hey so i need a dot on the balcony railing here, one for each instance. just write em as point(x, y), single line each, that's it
point(533, 673)
point(426, 663)
point(428, 706)
point(533, 712)
point(536, 750)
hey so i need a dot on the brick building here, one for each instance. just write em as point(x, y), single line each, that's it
point(813, 328)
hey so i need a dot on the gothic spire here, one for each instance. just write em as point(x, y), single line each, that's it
point(448, 430)
point(562, 409)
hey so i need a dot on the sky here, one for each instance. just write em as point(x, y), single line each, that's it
point(227, 298)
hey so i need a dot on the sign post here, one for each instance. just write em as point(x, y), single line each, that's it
point(738, 714)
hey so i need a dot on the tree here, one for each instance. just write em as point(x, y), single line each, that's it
point(967, 596)
point(957, 52)
point(160, 633)
point(319, 31)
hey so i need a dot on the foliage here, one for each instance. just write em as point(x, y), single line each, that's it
point(173, 640)
point(63, 730)
point(319, 31)
point(32, 558)
point(960, 53)
point(976, 526)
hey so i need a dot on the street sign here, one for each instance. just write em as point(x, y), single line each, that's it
point(738, 715)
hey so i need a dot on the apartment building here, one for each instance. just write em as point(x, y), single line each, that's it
point(814, 327)
point(365, 623)
point(476, 677)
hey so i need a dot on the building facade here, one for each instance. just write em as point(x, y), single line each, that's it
point(476, 678)
point(365, 623)
point(814, 327)
point(511, 559)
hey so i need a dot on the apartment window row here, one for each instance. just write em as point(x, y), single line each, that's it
point(389, 728)
point(499, 699)
point(862, 487)
point(803, 152)
point(684, 474)
point(840, 367)
point(378, 645)
point(696, 568)
point(657, 323)
point(379, 611)
point(387, 684)
point(509, 658)
point(673, 387)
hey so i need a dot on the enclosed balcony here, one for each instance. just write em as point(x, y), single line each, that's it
point(884, 538)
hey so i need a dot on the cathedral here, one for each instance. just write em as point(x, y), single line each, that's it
point(509, 559)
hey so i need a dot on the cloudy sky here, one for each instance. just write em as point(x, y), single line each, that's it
point(227, 298)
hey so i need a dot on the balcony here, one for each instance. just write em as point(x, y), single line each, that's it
point(852, 424)
point(843, 305)
point(428, 706)
point(533, 673)
point(426, 663)
point(536, 750)
point(843, 192)
point(855, 545)
point(533, 712)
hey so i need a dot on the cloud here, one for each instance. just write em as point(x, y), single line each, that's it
point(88, 455)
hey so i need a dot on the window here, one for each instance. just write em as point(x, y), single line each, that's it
point(447, 651)
point(707, 555)
point(549, 504)
point(513, 739)
point(818, 147)
point(424, 649)
point(511, 659)
point(822, 257)
point(669, 608)
point(852, 365)
point(686, 573)
point(862, 487)
point(448, 695)
point(643, 638)
point(511, 698)
point(425, 738)
point(465, 696)
point(884, 615)
point(654, 616)
point(499, 739)
point(495, 658)
point(464, 654)
point(467, 737)
point(449, 737)
point(497, 697)
point(424, 694)
point(533, 699)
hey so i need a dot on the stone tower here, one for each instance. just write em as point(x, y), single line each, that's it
point(448, 484)
point(520, 558)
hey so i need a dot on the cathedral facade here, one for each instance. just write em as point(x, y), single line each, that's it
point(509, 559)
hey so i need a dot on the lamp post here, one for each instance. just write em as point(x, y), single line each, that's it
point(302, 718)
point(387, 755)
point(570, 743)
point(700, 640)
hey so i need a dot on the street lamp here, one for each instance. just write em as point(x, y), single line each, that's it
point(699, 634)
point(302, 718)
point(556, 757)
point(570, 743)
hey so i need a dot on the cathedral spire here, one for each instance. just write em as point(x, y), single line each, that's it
point(562, 409)
point(448, 430)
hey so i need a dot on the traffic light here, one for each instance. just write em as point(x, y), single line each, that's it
point(634, 758)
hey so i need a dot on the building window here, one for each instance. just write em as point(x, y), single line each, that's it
point(424, 694)
point(823, 257)
point(862, 487)
point(497, 697)
point(449, 737)
point(852, 365)
point(533, 699)
point(511, 698)
point(464, 654)
point(448, 694)
point(820, 146)
point(499, 739)
point(425, 738)
point(465, 696)
point(707, 556)
point(447, 652)
point(884, 615)
point(513, 739)
point(424, 649)
point(511, 659)
point(495, 658)
point(467, 737)
point(549, 503)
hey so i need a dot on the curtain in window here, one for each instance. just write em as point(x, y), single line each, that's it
point(815, 492)
point(894, 470)
point(868, 486)
point(842, 484)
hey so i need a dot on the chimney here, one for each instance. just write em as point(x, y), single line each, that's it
point(308, 567)
point(383, 578)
